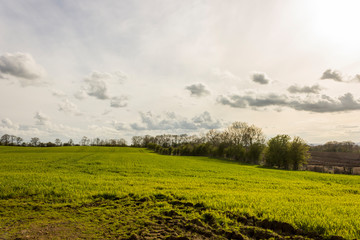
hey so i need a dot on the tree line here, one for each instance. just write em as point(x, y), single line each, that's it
point(334, 146)
point(12, 140)
point(240, 142)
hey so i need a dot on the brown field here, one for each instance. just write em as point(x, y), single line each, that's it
point(334, 162)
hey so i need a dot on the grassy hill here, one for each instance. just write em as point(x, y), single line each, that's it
point(101, 192)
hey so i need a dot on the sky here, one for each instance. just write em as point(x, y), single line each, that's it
point(116, 69)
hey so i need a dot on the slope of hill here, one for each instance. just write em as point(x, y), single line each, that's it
point(104, 192)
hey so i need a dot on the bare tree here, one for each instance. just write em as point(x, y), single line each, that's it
point(96, 141)
point(58, 142)
point(183, 139)
point(19, 141)
point(241, 133)
point(121, 142)
point(34, 141)
point(5, 139)
point(136, 141)
point(225, 137)
point(213, 137)
point(236, 132)
point(112, 142)
point(84, 141)
point(12, 139)
point(147, 139)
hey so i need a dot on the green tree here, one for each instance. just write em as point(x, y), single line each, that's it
point(254, 152)
point(277, 151)
point(299, 152)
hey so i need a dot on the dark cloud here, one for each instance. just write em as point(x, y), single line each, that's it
point(119, 102)
point(306, 89)
point(238, 101)
point(22, 66)
point(260, 78)
point(332, 74)
point(198, 90)
point(322, 105)
point(171, 121)
point(327, 104)
point(337, 76)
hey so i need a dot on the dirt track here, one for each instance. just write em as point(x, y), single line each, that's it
point(156, 218)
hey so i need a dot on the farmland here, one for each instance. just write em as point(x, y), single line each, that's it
point(113, 192)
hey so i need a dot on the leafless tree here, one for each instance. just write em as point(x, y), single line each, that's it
point(58, 142)
point(19, 140)
point(35, 141)
point(5, 139)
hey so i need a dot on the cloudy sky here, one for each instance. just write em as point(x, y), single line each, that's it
point(114, 69)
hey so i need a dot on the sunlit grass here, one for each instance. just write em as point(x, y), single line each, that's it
point(324, 203)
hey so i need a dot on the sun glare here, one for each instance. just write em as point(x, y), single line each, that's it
point(335, 22)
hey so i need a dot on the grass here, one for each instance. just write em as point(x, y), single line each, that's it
point(54, 192)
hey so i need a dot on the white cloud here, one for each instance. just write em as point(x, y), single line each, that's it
point(119, 76)
point(96, 130)
point(173, 122)
point(81, 94)
point(119, 125)
point(23, 67)
point(205, 121)
point(119, 102)
point(43, 128)
point(41, 118)
point(6, 122)
point(58, 93)
point(225, 75)
point(106, 112)
point(97, 85)
point(68, 107)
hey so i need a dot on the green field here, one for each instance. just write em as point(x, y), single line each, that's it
point(104, 192)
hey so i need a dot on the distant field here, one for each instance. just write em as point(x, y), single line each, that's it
point(104, 192)
point(345, 159)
